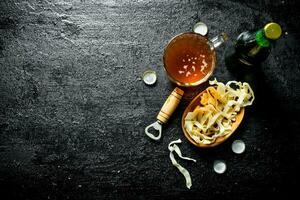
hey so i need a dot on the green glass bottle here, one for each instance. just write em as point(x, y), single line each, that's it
point(252, 48)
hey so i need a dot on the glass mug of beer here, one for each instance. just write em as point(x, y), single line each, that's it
point(190, 58)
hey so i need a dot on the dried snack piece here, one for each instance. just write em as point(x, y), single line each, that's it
point(173, 147)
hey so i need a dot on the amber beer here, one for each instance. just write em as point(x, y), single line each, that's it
point(190, 58)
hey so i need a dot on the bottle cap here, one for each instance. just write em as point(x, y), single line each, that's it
point(219, 166)
point(200, 28)
point(272, 31)
point(149, 77)
point(238, 146)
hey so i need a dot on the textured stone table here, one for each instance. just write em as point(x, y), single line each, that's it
point(73, 107)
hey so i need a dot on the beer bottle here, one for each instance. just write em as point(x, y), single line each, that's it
point(252, 47)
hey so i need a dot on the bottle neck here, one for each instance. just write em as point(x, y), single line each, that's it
point(261, 39)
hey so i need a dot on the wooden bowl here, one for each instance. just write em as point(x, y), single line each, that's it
point(194, 103)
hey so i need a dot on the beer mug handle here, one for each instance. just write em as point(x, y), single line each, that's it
point(218, 40)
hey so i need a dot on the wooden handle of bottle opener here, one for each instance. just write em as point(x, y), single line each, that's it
point(170, 105)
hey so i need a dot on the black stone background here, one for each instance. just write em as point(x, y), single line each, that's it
point(73, 107)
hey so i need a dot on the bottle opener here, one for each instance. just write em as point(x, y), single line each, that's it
point(165, 113)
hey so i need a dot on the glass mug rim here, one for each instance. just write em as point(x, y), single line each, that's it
point(202, 80)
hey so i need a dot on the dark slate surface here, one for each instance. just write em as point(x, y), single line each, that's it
point(73, 107)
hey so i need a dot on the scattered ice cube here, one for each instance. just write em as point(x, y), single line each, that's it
point(193, 62)
point(185, 67)
point(189, 60)
point(193, 67)
point(188, 74)
point(181, 72)
point(183, 60)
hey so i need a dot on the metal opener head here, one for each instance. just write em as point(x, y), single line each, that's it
point(157, 126)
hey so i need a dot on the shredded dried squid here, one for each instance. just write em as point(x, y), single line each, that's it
point(217, 110)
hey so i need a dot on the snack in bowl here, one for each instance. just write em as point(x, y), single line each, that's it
point(217, 111)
